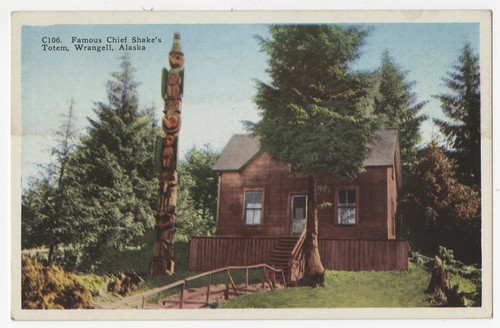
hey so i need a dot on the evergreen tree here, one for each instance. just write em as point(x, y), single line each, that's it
point(441, 210)
point(462, 107)
point(46, 205)
point(399, 108)
point(114, 173)
point(315, 114)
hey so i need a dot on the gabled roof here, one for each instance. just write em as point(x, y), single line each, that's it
point(383, 148)
point(239, 151)
point(242, 149)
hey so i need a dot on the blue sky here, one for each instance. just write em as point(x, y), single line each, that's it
point(222, 64)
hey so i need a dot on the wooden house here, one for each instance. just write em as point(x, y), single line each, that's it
point(262, 209)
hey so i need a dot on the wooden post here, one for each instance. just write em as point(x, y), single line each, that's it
point(263, 276)
point(233, 284)
point(143, 302)
point(181, 300)
point(171, 92)
point(226, 292)
point(246, 278)
point(283, 277)
point(208, 287)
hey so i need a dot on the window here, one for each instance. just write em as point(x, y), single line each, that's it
point(253, 207)
point(346, 206)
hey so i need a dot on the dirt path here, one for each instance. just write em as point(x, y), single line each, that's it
point(196, 298)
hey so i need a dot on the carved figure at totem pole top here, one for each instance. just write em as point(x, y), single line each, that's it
point(171, 91)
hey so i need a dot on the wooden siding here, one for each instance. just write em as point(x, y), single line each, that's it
point(276, 181)
point(375, 188)
point(208, 253)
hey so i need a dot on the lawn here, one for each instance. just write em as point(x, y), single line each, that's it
point(347, 290)
point(342, 289)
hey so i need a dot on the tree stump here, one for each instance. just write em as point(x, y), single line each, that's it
point(316, 279)
point(439, 281)
point(122, 284)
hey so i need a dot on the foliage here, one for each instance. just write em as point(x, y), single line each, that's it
point(112, 174)
point(45, 216)
point(462, 108)
point(315, 114)
point(440, 210)
point(197, 200)
point(98, 199)
point(464, 280)
point(49, 287)
point(398, 106)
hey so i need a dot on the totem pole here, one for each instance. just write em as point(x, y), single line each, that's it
point(171, 91)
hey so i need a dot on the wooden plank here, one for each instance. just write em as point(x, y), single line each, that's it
point(199, 258)
point(201, 253)
point(380, 250)
point(343, 248)
point(217, 259)
point(387, 259)
point(365, 256)
point(246, 250)
point(356, 258)
point(191, 257)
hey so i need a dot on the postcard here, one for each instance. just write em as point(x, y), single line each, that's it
point(251, 165)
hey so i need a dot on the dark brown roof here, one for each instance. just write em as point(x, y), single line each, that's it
point(383, 149)
point(241, 149)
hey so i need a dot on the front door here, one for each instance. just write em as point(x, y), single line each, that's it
point(299, 213)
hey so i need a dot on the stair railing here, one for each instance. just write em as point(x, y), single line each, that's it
point(297, 260)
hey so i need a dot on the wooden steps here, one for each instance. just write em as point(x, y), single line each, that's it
point(281, 255)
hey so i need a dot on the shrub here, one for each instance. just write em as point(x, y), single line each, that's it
point(49, 287)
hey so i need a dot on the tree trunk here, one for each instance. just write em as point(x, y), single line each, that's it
point(51, 253)
point(314, 272)
point(439, 280)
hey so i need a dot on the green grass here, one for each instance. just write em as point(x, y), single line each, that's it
point(342, 289)
point(347, 290)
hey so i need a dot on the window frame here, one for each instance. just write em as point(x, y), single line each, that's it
point(261, 218)
point(337, 191)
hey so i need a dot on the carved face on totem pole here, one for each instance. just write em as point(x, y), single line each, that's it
point(176, 60)
point(176, 57)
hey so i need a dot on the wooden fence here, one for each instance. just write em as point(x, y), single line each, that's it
point(364, 255)
point(230, 287)
point(208, 253)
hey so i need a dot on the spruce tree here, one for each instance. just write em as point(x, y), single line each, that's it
point(399, 108)
point(315, 114)
point(462, 108)
point(113, 172)
point(47, 204)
